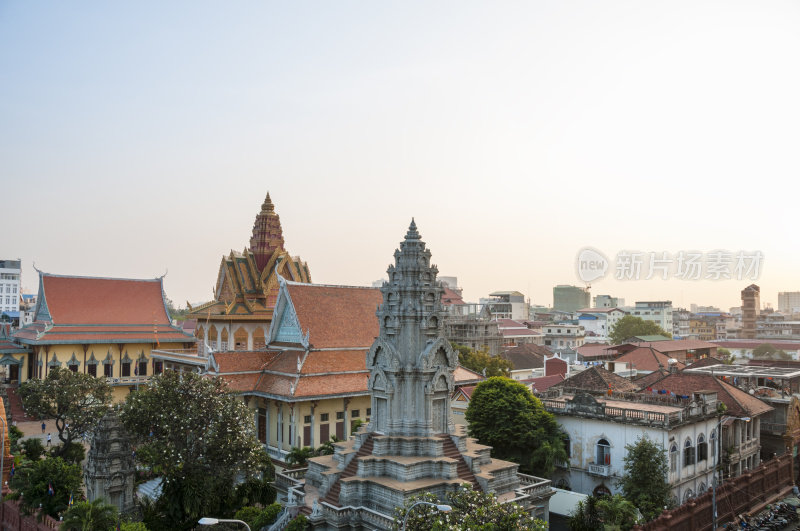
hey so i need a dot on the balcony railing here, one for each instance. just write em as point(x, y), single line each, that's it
point(127, 380)
point(600, 470)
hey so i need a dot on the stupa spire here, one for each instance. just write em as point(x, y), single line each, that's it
point(267, 234)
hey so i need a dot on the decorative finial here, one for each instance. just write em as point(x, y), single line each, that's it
point(268, 206)
point(412, 233)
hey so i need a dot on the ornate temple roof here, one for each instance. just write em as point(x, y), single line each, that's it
point(247, 281)
point(71, 309)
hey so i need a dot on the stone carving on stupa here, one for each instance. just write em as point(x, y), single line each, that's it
point(411, 444)
point(110, 472)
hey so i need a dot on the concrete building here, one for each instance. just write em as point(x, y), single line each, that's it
point(789, 302)
point(599, 321)
point(751, 306)
point(660, 312)
point(570, 298)
point(506, 305)
point(607, 301)
point(563, 335)
point(10, 285)
point(598, 428)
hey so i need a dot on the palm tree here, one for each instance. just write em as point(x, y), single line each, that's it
point(617, 512)
point(298, 457)
point(89, 516)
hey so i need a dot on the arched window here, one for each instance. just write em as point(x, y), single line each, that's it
point(688, 495)
point(673, 458)
point(702, 489)
point(702, 448)
point(601, 490)
point(603, 452)
point(688, 452)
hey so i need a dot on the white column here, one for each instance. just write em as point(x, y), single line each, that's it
point(249, 338)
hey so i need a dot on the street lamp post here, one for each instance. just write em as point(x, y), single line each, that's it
point(443, 508)
point(214, 521)
point(718, 451)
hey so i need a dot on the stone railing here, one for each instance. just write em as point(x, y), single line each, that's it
point(373, 519)
point(599, 470)
point(533, 485)
point(289, 478)
point(276, 453)
point(776, 428)
point(127, 380)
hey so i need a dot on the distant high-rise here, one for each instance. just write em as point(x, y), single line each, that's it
point(10, 287)
point(751, 304)
point(570, 298)
point(789, 301)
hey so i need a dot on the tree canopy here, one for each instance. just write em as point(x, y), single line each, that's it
point(47, 483)
point(630, 326)
point(480, 361)
point(606, 512)
point(505, 415)
point(766, 351)
point(644, 481)
point(90, 516)
point(75, 400)
point(198, 436)
point(471, 509)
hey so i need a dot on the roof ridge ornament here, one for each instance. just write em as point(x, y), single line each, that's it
point(412, 233)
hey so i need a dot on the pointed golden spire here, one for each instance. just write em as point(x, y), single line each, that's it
point(268, 206)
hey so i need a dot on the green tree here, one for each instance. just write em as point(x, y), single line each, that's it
point(33, 448)
point(480, 361)
point(73, 453)
point(471, 509)
point(586, 516)
point(617, 513)
point(75, 400)
point(90, 516)
point(327, 448)
point(767, 351)
point(199, 437)
point(33, 481)
point(257, 488)
point(724, 355)
point(300, 523)
point(14, 435)
point(631, 325)
point(298, 457)
point(133, 526)
point(644, 482)
point(505, 415)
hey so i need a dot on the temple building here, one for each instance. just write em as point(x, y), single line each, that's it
point(410, 444)
point(247, 289)
point(105, 327)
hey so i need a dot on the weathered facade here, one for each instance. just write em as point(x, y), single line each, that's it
point(110, 472)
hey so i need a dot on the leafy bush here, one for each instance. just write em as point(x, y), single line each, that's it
point(33, 448)
point(74, 452)
point(298, 524)
point(248, 515)
point(14, 435)
point(268, 515)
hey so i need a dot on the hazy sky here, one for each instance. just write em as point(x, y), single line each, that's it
point(141, 137)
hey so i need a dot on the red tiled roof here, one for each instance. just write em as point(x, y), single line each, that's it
point(675, 344)
point(753, 343)
point(338, 384)
point(594, 350)
point(325, 361)
point(336, 316)
point(526, 356)
point(243, 361)
point(466, 390)
point(738, 402)
point(450, 297)
point(705, 362)
point(509, 323)
point(646, 359)
point(598, 379)
point(517, 332)
point(86, 300)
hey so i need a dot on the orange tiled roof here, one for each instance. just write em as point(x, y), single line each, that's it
point(238, 361)
point(738, 402)
point(87, 300)
point(334, 361)
point(336, 316)
point(647, 359)
point(100, 310)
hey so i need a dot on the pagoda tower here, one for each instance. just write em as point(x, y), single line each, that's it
point(411, 444)
point(267, 234)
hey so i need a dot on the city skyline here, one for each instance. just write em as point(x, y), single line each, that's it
point(142, 138)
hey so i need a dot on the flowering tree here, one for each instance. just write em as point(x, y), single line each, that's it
point(471, 509)
point(75, 400)
point(47, 483)
point(198, 436)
